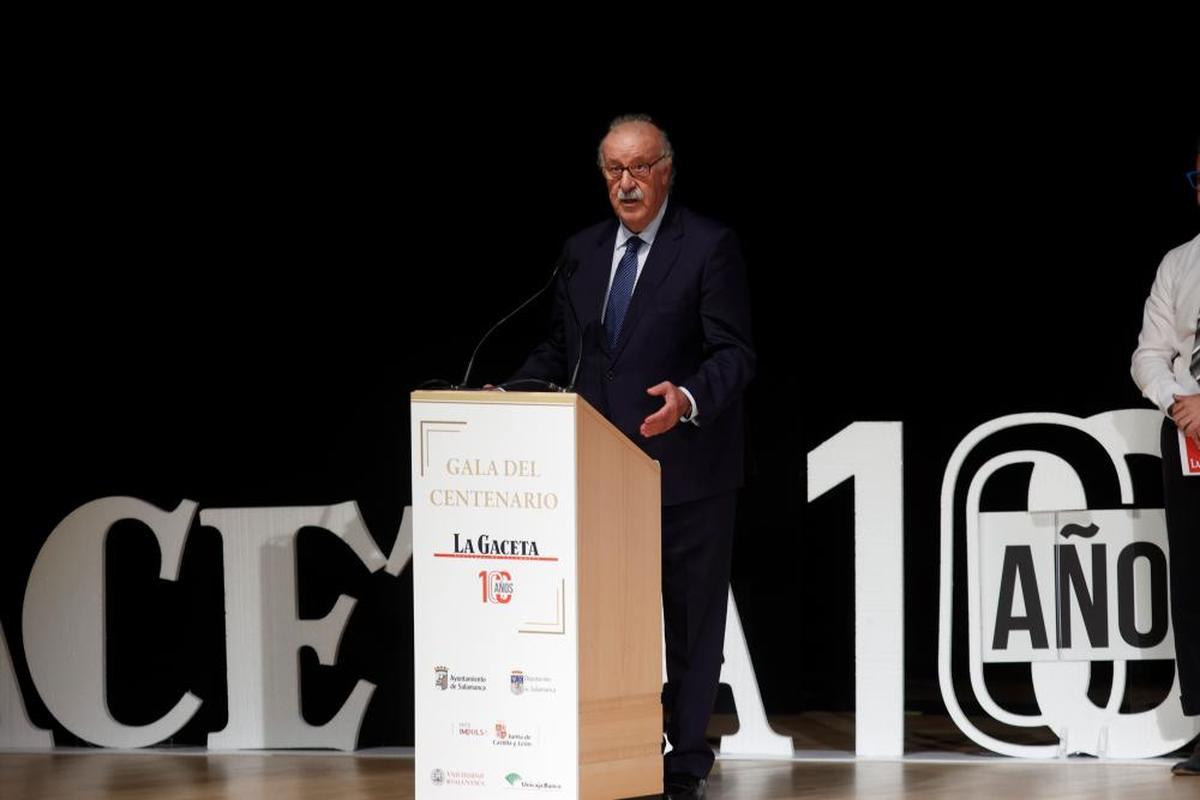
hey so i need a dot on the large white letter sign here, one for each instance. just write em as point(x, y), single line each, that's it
point(1059, 585)
point(263, 632)
point(871, 453)
point(16, 730)
point(63, 619)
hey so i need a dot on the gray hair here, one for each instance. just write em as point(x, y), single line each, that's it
point(626, 119)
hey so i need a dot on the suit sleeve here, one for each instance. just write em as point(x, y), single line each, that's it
point(729, 359)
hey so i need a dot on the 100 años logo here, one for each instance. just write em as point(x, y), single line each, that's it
point(1070, 579)
point(1052, 554)
point(497, 586)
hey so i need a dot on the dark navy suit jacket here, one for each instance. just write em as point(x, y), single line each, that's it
point(688, 322)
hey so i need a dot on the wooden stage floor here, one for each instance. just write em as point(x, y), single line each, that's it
point(822, 769)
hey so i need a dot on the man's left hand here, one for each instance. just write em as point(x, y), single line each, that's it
point(675, 405)
point(1186, 413)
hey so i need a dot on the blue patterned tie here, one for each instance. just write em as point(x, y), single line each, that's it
point(621, 291)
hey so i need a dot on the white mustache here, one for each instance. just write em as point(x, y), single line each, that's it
point(633, 194)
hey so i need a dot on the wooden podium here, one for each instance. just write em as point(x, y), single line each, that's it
point(536, 597)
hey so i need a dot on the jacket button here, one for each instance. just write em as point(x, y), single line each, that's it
point(608, 376)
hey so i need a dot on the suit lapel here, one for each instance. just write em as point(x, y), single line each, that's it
point(590, 287)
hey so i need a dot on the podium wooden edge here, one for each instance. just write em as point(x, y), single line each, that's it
point(619, 520)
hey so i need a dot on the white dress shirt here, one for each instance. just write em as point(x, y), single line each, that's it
point(623, 235)
point(1161, 363)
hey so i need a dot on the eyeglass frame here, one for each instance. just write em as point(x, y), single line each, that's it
point(616, 176)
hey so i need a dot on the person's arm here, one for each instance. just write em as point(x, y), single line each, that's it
point(729, 358)
point(725, 318)
point(1157, 348)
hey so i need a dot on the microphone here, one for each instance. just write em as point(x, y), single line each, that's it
point(568, 272)
point(558, 267)
point(567, 275)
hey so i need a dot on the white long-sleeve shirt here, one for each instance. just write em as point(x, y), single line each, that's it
point(1161, 363)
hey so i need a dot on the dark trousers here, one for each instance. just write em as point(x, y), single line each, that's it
point(1182, 496)
point(697, 545)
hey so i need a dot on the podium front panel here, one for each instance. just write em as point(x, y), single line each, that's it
point(495, 612)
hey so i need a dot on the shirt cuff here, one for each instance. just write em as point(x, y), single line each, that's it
point(691, 416)
point(1166, 397)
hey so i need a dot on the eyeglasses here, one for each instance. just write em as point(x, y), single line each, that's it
point(639, 171)
point(1193, 179)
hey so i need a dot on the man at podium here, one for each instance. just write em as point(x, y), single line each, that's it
point(652, 327)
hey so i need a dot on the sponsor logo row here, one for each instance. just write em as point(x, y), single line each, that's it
point(519, 682)
point(452, 777)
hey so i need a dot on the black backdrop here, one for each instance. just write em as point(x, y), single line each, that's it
point(226, 291)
